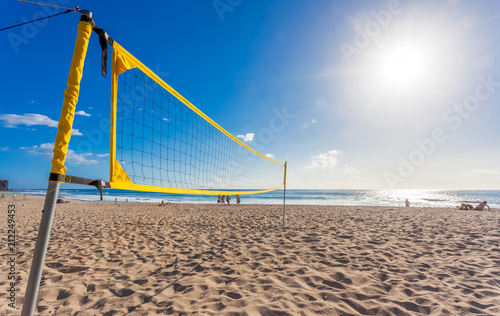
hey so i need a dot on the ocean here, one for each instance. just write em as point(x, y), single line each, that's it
point(417, 198)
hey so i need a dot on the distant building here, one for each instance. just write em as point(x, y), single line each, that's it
point(4, 185)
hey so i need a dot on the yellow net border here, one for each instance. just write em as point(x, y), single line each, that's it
point(118, 178)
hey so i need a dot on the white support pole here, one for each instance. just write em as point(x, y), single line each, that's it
point(284, 194)
point(40, 249)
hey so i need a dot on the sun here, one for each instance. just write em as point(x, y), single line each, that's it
point(408, 71)
point(404, 66)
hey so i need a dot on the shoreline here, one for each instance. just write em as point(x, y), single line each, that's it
point(143, 259)
point(151, 203)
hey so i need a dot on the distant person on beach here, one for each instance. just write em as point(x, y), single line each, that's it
point(14, 196)
point(218, 201)
point(3, 195)
point(24, 196)
point(228, 199)
point(222, 200)
point(464, 206)
point(407, 202)
point(482, 205)
point(238, 200)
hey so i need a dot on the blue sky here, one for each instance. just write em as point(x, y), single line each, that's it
point(370, 94)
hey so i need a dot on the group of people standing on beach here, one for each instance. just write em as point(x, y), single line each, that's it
point(14, 196)
point(226, 198)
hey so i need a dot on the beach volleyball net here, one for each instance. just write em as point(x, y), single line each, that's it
point(161, 142)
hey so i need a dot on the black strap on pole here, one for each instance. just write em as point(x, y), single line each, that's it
point(99, 184)
point(104, 39)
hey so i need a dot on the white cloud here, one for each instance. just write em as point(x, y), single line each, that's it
point(480, 173)
point(79, 158)
point(5, 148)
point(350, 170)
point(43, 150)
point(71, 156)
point(76, 132)
point(324, 161)
point(248, 137)
point(102, 155)
point(13, 120)
point(82, 113)
point(269, 156)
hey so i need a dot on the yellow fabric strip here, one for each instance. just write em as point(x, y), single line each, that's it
point(113, 164)
point(70, 99)
point(284, 179)
point(119, 175)
point(148, 188)
point(120, 180)
point(125, 60)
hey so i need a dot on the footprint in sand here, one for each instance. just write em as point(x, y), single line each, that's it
point(233, 295)
point(63, 294)
point(141, 281)
point(122, 292)
point(70, 269)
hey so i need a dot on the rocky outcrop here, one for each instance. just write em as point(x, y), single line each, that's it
point(4, 185)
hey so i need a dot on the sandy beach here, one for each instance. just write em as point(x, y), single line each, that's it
point(184, 259)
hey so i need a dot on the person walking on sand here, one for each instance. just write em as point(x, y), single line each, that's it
point(482, 205)
point(228, 199)
point(222, 200)
point(407, 203)
point(218, 201)
point(238, 199)
point(3, 196)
